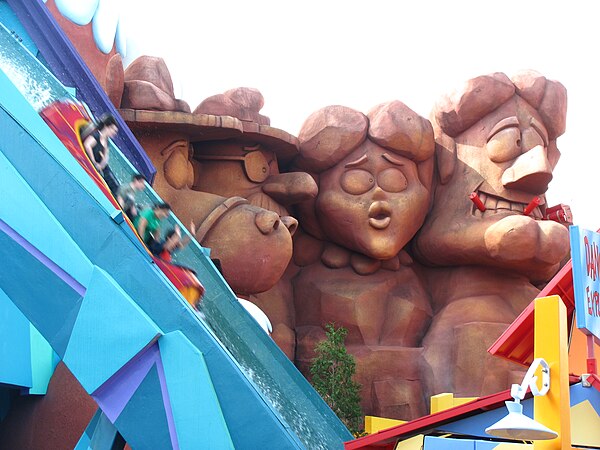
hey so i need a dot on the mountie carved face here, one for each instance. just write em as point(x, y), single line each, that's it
point(374, 174)
point(513, 158)
point(372, 201)
point(496, 154)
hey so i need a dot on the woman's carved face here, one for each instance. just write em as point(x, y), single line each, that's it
point(372, 201)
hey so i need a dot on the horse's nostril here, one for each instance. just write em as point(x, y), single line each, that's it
point(290, 223)
point(267, 221)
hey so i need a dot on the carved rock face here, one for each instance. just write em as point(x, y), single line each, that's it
point(372, 201)
point(507, 159)
point(254, 245)
point(374, 174)
point(231, 168)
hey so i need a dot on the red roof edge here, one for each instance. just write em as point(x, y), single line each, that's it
point(387, 439)
point(516, 331)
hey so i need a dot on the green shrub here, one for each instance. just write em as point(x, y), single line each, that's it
point(331, 372)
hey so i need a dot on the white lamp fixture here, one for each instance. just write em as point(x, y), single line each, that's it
point(516, 425)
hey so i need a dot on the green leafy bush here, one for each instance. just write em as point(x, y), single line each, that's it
point(331, 372)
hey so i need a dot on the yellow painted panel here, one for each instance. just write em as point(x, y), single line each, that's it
point(585, 425)
point(550, 343)
point(442, 402)
point(414, 443)
point(507, 446)
point(374, 424)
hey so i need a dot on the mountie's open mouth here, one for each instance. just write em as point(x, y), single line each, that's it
point(487, 204)
point(380, 215)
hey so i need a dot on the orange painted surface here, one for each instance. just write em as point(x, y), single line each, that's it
point(578, 352)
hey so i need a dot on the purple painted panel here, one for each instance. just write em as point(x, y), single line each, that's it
point(114, 394)
point(167, 403)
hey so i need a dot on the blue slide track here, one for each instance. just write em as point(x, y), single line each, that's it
point(163, 375)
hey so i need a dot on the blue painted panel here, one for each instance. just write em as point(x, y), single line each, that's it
point(578, 394)
point(151, 430)
point(109, 331)
point(189, 385)
point(47, 301)
point(25, 213)
point(43, 362)
point(9, 19)
point(436, 443)
point(585, 253)
point(15, 357)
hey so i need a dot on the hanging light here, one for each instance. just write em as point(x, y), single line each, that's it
point(516, 425)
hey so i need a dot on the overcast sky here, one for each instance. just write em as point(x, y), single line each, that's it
point(304, 55)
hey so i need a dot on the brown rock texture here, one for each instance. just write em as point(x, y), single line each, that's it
point(148, 86)
point(243, 103)
point(140, 94)
point(153, 70)
point(115, 79)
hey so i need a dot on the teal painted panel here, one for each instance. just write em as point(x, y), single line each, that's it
point(43, 362)
point(15, 357)
point(105, 435)
point(110, 330)
point(25, 213)
point(27, 117)
point(9, 19)
point(5, 397)
point(85, 441)
point(42, 294)
point(189, 385)
point(151, 429)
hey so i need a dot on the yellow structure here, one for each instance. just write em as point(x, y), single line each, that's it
point(374, 424)
point(442, 402)
point(550, 343)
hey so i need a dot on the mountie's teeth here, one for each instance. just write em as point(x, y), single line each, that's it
point(503, 204)
point(495, 204)
point(491, 203)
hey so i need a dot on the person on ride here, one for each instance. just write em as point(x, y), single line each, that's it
point(173, 242)
point(126, 194)
point(95, 143)
point(147, 224)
